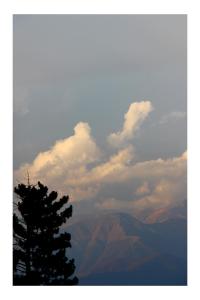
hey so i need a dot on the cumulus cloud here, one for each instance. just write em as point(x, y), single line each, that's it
point(166, 193)
point(76, 166)
point(109, 171)
point(136, 114)
point(143, 189)
point(164, 184)
point(174, 115)
point(88, 184)
point(66, 159)
point(155, 183)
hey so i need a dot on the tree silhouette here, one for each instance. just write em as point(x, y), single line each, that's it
point(39, 256)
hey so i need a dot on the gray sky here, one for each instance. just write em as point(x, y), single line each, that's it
point(90, 68)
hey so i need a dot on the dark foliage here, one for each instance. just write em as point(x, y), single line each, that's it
point(39, 254)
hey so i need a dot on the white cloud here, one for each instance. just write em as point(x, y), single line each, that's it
point(109, 171)
point(174, 115)
point(164, 183)
point(76, 166)
point(89, 183)
point(166, 193)
point(137, 113)
point(173, 167)
point(67, 158)
point(143, 189)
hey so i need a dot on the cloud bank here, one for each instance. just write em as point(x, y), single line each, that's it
point(76, 166)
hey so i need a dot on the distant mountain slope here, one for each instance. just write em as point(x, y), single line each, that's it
point(161, 270)
point(166, 213)
point(118, 246)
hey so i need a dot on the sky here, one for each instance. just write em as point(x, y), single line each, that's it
point(100, 108)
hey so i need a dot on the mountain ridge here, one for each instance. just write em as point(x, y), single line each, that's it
point(118, 242)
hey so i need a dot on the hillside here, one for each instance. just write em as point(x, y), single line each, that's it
point(111, 247)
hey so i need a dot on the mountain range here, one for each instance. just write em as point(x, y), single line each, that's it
point(117, 249)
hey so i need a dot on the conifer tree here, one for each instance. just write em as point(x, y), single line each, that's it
point(39, 251)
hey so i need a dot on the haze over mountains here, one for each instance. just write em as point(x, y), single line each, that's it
point(165, 213)
point(115, 248)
